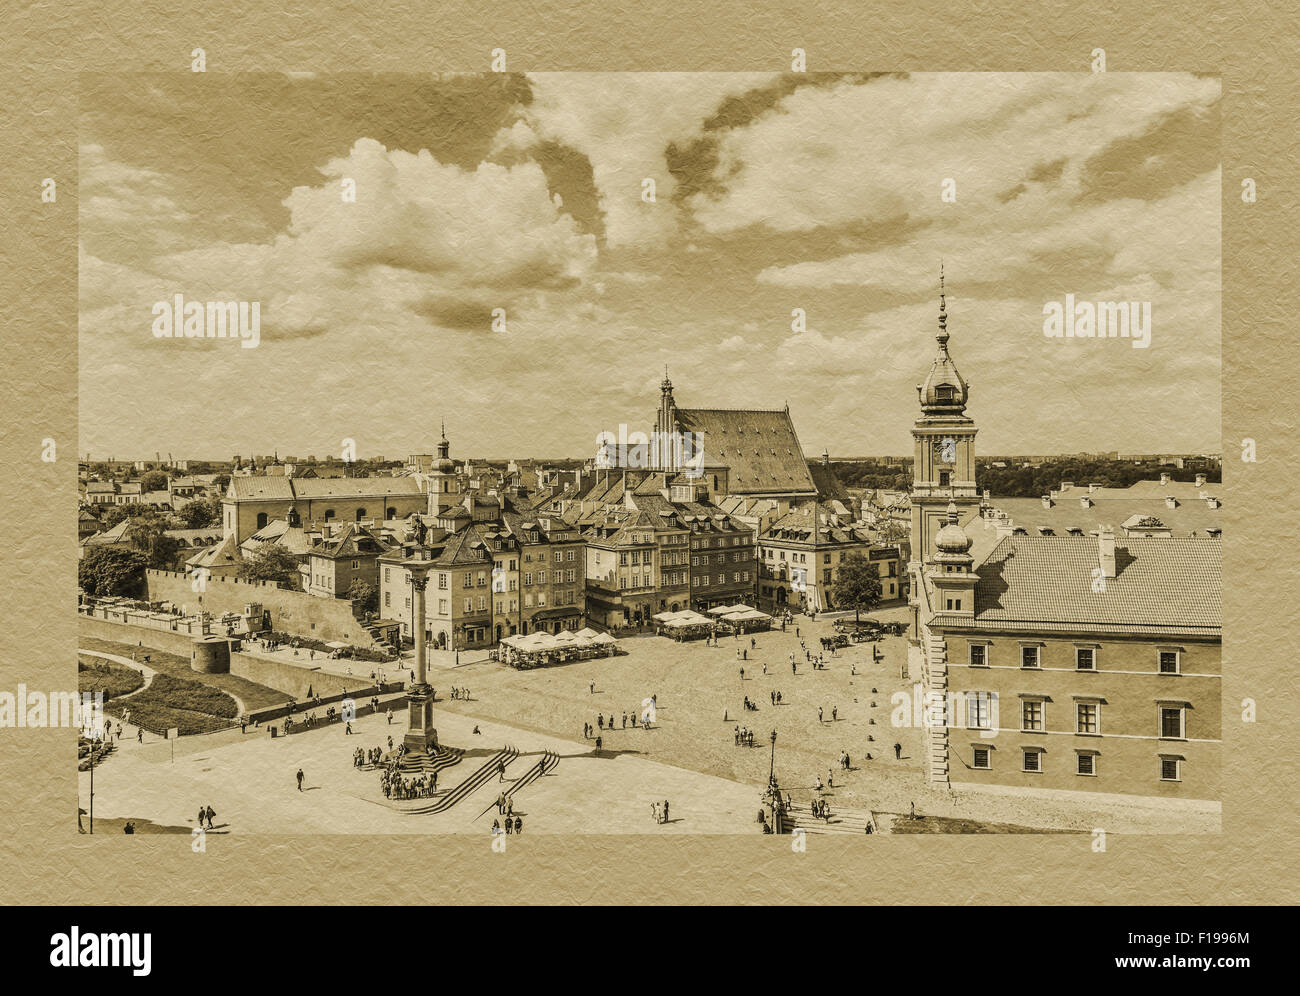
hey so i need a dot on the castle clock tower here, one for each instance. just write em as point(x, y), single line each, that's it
point(943, 469)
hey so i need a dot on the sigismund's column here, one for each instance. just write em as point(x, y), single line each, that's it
point(420, 734)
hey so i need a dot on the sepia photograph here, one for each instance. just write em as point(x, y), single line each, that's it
point(649, 454)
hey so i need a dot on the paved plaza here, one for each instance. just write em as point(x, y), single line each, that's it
point(688, 756)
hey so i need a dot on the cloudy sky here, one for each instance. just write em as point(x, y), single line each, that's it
point(773, 192)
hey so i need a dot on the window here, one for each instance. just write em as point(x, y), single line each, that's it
point(559, 556)
point(979, 656)
point(1171, 769)
point(979, 710)
point(442, 606)
point(1031, 715)
point(442, 582)
point(570, 578)
point(1085, 658)
point(386, 574)
point(1086, 764)
point(1029, 656)
point(1171, 723)
point(1033, 759)
point(541, 577)
point(388, 599)
point(482, 579)
point(469, 579)
point(1087, 717)
point(943, 478)
point(1169, 662)
point(482, 603)
point(469, 605)
point(528, 578)
point(982, 758)
point(570, 557)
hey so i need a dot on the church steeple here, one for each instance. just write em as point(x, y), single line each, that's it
point(444, 447)
point(666, 427)
point(443, 485)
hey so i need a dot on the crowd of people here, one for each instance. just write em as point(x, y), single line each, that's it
point(372, 757)
point(397, 786)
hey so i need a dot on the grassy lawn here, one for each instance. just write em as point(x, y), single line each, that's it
point(94, 674)
point(253, 695)
point(172, 701)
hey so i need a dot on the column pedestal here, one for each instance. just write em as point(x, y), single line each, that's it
point(420, 734)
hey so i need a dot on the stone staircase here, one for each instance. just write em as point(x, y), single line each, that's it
point(936, 737)
point(800, 817)
point(416, 764)
point(448, 798)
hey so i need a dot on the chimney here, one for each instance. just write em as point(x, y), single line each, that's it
point(1200, 480)
point(1005, 526)
point(1171, 501)
point(1093, 487)
point(1211, 501)
point(1047, 501)
point(1085, 502)
point(1106, 551)
point(1164, 477)
point(1066, 485)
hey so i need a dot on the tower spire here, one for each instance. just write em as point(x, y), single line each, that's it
point(943, 313)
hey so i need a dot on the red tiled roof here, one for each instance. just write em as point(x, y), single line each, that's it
point(758, 445)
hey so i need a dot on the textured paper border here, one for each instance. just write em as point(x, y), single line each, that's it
point(44, 860)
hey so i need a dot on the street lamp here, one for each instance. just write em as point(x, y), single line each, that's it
point(771, 771)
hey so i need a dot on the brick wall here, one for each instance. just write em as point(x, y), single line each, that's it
point(294, 612)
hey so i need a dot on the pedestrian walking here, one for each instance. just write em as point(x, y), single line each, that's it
point(300, 779)
point(898, 752)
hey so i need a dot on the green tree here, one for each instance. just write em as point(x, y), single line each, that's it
point(106, 571)
point(858, 585)
point(271, 563)
point(364, 595)
point(155, 480)
point(147, 534)
point(198, 513)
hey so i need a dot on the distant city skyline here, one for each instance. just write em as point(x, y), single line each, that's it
point(817, 192)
